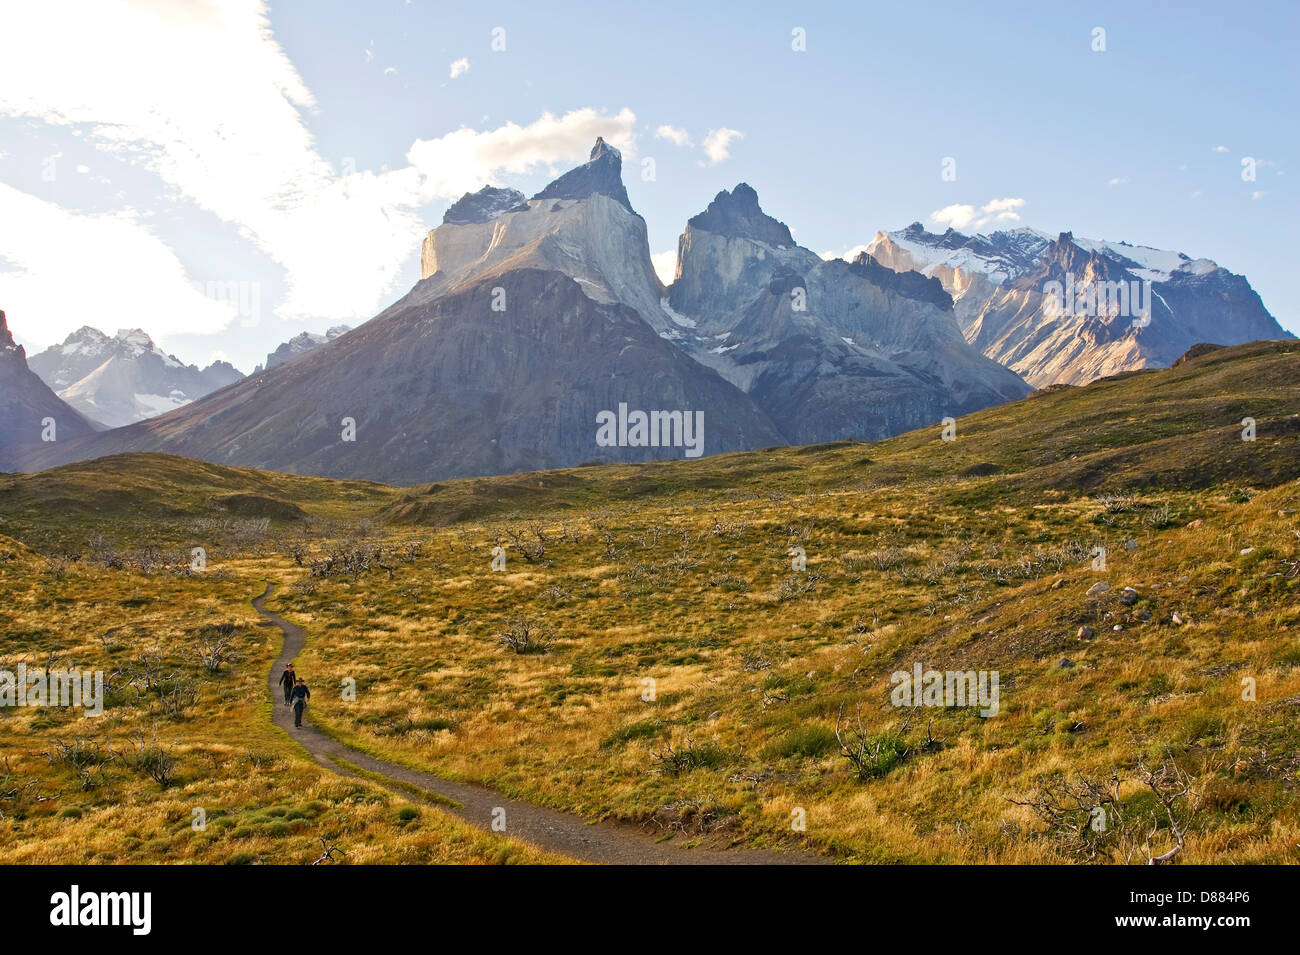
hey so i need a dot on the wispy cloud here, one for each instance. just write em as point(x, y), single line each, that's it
point(1117, 181)
point(460, 67)
point(717, 145)
point(467, 159)
point(674, 134)
point(1220, 149)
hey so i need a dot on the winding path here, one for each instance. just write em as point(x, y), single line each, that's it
point(572, 836)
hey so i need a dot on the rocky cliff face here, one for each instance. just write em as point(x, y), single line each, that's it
point(1007, 307)
point(601, 175)
point(581, 225)
point(828, 349)
point(126, 378)
point(26, 402)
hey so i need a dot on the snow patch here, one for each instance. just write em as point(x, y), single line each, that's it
point(677, 317)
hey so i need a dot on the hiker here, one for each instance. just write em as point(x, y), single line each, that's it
point(300, 697)
point(286, 681)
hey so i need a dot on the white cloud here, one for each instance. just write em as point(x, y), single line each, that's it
point(240, 148)
point(460, 67)
point(665, 264)
point(1220, 149)
point(1259, 194)
point(465, 160)
point(717, 145)
point(1117, 181)
point(847, 254)
point(675, 134)
point(60, 270)
point(960, 216)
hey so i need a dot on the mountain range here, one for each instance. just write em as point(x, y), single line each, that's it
point(300, 344)
point(126, 378)
point(537, 319)
point(1008, 308)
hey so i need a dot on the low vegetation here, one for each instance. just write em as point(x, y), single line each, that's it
point(654, 651)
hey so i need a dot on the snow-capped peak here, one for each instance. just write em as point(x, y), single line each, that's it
point(1009, 254)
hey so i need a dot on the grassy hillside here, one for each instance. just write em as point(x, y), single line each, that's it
point(687, 676)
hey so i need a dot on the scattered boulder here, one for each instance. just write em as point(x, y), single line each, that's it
point(1130, 544)
point(1177, 620)
point(1086, 633)
point(1066, 663)
point(1129, 597)
point(1098, 588)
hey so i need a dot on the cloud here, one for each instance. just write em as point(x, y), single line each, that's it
point(1117, 181)
point(1219, 149)
point(665, 264)
point(465, 160)
point(460, 67)
point(240, 148)
point(678, 136)
point(1259, 194)
point(847, 254)
point(717, 145)
point(960, 216)
point(60, 270)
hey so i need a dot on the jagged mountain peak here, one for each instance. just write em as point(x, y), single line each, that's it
point(302, 343)
point(602, 174)
point(909, 284)
point(737, 214)
point(482, 206)
point(125, 378)
point(7, 343)
point(1129, 306)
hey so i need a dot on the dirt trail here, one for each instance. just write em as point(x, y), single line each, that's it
point(603, 842)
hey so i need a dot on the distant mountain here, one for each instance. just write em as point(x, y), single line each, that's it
point(300, 344)
point(827, 349)
point(530, 342)
point(1068, 310)
point(539, 336)
point(127, 378)
point(27, 403)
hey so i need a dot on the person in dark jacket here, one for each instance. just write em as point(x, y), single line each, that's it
point(287, 680)
point(300, 697)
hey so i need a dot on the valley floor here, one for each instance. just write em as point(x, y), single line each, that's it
point(703, 651)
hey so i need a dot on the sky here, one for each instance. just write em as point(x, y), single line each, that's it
point(225, 175)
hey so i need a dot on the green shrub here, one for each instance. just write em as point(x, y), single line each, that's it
point(803, 741)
